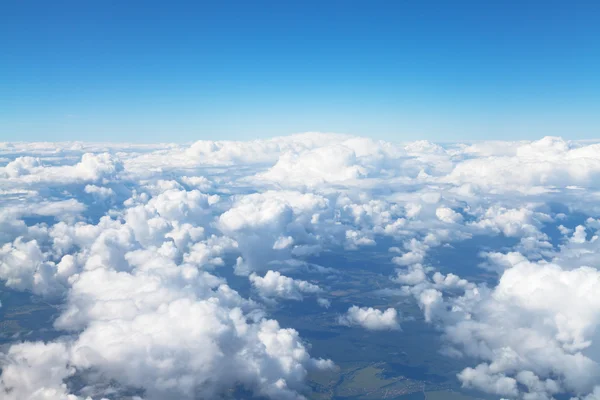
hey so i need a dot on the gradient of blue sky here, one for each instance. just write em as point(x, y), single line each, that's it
point(398, 70)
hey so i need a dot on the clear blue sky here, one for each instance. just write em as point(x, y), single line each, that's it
point(399, 70)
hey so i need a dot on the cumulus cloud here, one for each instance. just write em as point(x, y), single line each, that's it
point(36, 371)
point(536, 327)
point(448, 215)
point(145, 303)
point(318, 166)
point(273, 225)
point(531, 167)
point(134, 244)
point(91, 168)
point(371, 318)
point(99, 191)
point(273, 284)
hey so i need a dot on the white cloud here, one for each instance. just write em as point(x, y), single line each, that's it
point(91, 168)
point(448, 215)
point(99, 191)
point(481, 378)
point(371, 318)
point(531, 167)
point(199, 182)
point(134, 276)
point(283, 242)
point(324, 302)
point(24, 266)
point(36, 371)
point(537, 326)
point(320, 166)
point(273, 284)
point(265, 224)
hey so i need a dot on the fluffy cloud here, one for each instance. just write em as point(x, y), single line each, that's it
point(371, 318)
point(532, 167)
point(135, 244)
point(99, 191)
point(273, 284)
point(320, 166)
point(273, 225)
point(448, 215)
point(36, 371)
point(126, 300)
point(537, 327)
point(91, 168)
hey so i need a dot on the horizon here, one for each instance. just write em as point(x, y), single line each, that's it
point(298, 134)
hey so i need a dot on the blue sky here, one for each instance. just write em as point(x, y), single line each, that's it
point(398, 70)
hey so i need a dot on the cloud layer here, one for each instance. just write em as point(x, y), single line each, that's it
point(134, 243)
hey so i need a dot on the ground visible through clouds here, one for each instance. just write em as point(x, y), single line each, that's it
point(313, 266)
